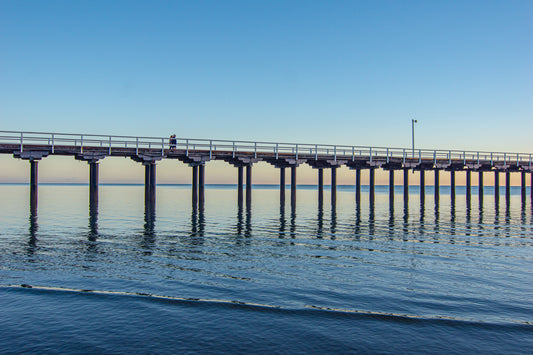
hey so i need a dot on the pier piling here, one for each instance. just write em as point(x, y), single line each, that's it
point(320, 186)
point(93, 184)
point(34, 181)
point(436, 187)
point(333, 185)
point(201, 185)
point(195, 185)
point(496, 185)
point(358, 186)
point(422, 185)
point(391, 185)
point(282, 185)
point(240, 184)
point(249, 185)
point(405, 185)
point(293, 186)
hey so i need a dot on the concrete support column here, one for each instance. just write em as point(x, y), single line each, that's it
point(34, 181)
point(452, 184)
point(422, 185)
point(195, 185)
point(152, 184)
point(480, 185)
point(523, 185)
point(437, 185)
point(497, 185)
point(201, 185)
point(358, 185)
point(249, 185)
point(372, 184)
point(240, 184)
point(282, 185)
point(320, 186)
point(405, 185)
point(468, 185)
point(333, 185)
point(507, 185)
point(391, 185)
point(293, 186)
point(93, 184)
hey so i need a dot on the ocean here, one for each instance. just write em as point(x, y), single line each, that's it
point(446, 277)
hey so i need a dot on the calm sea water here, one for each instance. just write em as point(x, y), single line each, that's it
point(431, 278)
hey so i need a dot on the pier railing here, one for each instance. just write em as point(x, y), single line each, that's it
point(342, 152)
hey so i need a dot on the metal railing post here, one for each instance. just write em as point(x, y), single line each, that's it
point(387, 155)
point(81, 143)
point(419, 156)
point(162, 146)
point(353, 153)
point(210, 149)
point(21, 141)
point(403, 158)
point(233, 153)
point(370, 154)
point(255, 150)
point(277, 150)
point(137, 146)
point(335, 153)
point(53, 145)
point(186, 147)
point(109, 145)
point(434, 157)
point(316, 152)
point(296, 152)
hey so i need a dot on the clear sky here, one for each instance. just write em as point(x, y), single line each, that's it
point(346, 72)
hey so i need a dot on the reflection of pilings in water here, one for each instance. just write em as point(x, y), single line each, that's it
point(33, 228)
point(333, 226)
point(248, 223)
point(391, 221)
point(452, 219)
point(371, 219)
point(93, 220)
point(496, 215)
point(149, 228)
point(293, 223)
point(282, 221)
point(468, 220)
point(405, 222)
point(197, 226)
point(357, 228)
point(507, 218)
point(436, 214)
point(422, 217)
point(320, 223)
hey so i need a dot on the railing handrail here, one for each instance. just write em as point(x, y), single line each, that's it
point(254, 146)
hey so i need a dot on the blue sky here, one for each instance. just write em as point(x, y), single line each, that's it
point(346, 72)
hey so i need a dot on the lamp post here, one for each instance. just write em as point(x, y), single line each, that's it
point(413, 134)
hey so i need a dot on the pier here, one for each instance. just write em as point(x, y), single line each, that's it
point(196, 153)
